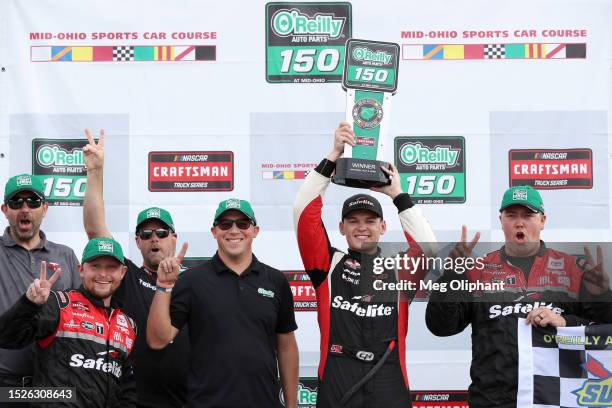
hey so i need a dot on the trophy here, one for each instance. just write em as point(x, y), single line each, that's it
point(369, 79)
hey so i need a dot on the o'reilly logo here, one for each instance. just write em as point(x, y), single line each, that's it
point(54, 155)
point(24, 181)
point(153, 213)
point(366, 54)
point(105, 246)
point(79, 360)
point(520, 309)
point(371, 310)
point(413, 153)
point(292, 22)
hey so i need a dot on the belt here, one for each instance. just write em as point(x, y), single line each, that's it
point(16, 381)
point(366, 356)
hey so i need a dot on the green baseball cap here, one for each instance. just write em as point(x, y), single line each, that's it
point(24, 182)
point(98, 247)
point(155, 213)
point(235, 204)
point(526, 196)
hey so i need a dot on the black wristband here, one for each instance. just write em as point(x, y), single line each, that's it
point(403, 201)
point(326, 168)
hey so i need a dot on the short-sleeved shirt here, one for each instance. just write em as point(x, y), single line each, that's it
point(161, 375)
point(233, 323)
point(18, 269)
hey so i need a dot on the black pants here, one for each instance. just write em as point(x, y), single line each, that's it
point(385, 390)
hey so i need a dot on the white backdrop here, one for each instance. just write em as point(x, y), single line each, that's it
point(556, 97)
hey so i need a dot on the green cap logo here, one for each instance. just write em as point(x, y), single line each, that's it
point(526, 196)
point(292, 22)
point(235, 204)
point(155, 213)
point(102, 247)
point(24, 181)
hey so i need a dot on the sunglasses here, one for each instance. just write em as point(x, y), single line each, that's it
point(227, 224)
point(148, 233)
point(17, 203)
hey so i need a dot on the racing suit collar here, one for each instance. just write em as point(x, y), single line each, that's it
point(357, 255)
point(504, 256)
point(114, 304)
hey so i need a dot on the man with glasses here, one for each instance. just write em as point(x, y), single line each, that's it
point(161, 375)
point(24, 246)
point(240, 317)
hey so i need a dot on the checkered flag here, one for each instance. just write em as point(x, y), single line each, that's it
point(123, 53)
point(566, 367)
point(494, 51)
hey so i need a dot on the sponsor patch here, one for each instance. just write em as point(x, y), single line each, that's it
point(304, 295)
point(87, 325)
point(432, 169)
point(191, 171)
point(547, 169)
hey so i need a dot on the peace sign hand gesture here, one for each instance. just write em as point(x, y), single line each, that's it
point(596, 280)
point(39, 290)
point(168, 269)
point(94, 152)
point(463, 249)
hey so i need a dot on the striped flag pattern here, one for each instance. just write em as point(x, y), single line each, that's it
point(123, 53)
point(493, 51)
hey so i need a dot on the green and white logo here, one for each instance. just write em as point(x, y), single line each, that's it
point(293, 22)
point(24, 181)
point(265, 292)
point(412, 153)
point(305, 41)
point(54, 155)
point(432, 168)
point(366, 54)
point(60, 164)
point(105, 246)
point(367, 113)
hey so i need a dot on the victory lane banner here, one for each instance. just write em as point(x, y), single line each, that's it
point(548, 169)
point(304, 296)
point(432, 168)
point(191, 171)
point(305, 41)
point(61, 166)
point(306, 394)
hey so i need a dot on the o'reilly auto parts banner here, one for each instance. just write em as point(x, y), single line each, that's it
point(191, 171)
point(432, 169)
point(551, 168)
point(61, 165)
point(305, 41)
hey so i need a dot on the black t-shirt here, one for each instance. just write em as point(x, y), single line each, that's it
point(233, 322)
point(161, 375)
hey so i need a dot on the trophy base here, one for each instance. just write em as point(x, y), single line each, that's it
point(360, 173)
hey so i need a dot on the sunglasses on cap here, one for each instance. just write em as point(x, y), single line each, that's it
point(148, 233)
point(17, 203)
point(227, 224)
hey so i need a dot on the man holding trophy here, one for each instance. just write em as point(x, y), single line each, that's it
point(363, 338)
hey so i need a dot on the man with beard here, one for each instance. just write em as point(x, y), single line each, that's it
point(23, 248)
point(161, 375)
point(83, 339)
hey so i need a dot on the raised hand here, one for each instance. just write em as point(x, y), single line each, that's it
point(94, 152)
point(393, 189)
point(596, 280)
point(463, 249)
point(39, 290)
point(344, 134)
point(168, 269)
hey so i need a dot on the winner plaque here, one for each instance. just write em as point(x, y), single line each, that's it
point(369, 79)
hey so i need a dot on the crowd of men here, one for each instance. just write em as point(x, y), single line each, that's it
point(222, 334)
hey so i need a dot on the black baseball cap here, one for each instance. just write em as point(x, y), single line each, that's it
point(361, 202)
